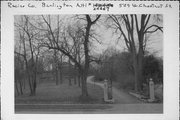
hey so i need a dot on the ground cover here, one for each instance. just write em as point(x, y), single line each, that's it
point(50, 93)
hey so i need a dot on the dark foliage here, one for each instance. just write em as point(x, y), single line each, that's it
point(153, 68)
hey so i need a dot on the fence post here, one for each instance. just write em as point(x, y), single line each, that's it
point(151, 90)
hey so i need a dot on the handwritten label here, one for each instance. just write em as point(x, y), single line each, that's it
point(12, 5)
point(104, 6)
point(141, 5)
point(95, 6)
point(55, 5)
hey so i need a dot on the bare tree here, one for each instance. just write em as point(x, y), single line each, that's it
point(67, 48)
point(76, 33)
point(70, 72)
point(129, 27)
point(19, 74)
point(56, 67)
point(31, 50)
point(24, 53)
point(60, 67)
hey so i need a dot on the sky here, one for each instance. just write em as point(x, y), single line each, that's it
point(108, 39)
point(154, 43)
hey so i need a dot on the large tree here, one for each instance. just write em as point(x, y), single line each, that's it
point(66, 45)
point(30, 51)
point(133, 29)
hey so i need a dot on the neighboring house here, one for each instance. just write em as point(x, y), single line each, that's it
point(67, 70)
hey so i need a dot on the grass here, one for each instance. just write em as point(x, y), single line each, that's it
point(50, 93)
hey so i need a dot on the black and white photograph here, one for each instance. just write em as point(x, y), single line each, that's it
point(89, 60)
point(90, 63)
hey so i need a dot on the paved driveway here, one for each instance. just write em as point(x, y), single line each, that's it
point(120, 97)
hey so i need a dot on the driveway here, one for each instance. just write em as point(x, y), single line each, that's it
point(119, 96)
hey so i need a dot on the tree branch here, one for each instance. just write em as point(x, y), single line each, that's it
point(137, 27)
point(156, 26)
point(93, 22)
point(147, 20)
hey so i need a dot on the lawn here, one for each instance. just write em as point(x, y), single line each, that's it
point(50, 93)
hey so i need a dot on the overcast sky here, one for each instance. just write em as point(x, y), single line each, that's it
point(154, 44)
point(108, 39)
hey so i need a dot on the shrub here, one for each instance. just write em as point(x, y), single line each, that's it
point(153, 68)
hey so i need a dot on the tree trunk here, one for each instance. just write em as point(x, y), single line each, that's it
point(140, 56)
point(16, 86)
point(24, 82)
point(34, 84)
point(60, 70)
point(30, 85)
point(79, 72)
point(140, 70)
point(75, 75)
point(60, 75)
point(138, 67)
point(56, 76)
point(138, 75)
point(86, 53)
point(21, 87)
point(70, 73)
point(136, 70)
point(34, 79)
point(84, 86)
point(79, 79)
point(34, 88)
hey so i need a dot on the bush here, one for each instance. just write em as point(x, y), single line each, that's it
point(153, 68)
point(118, 67)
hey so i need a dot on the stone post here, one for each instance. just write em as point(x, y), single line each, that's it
point(110, 91)
point(105, 90)
point(151, 90)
